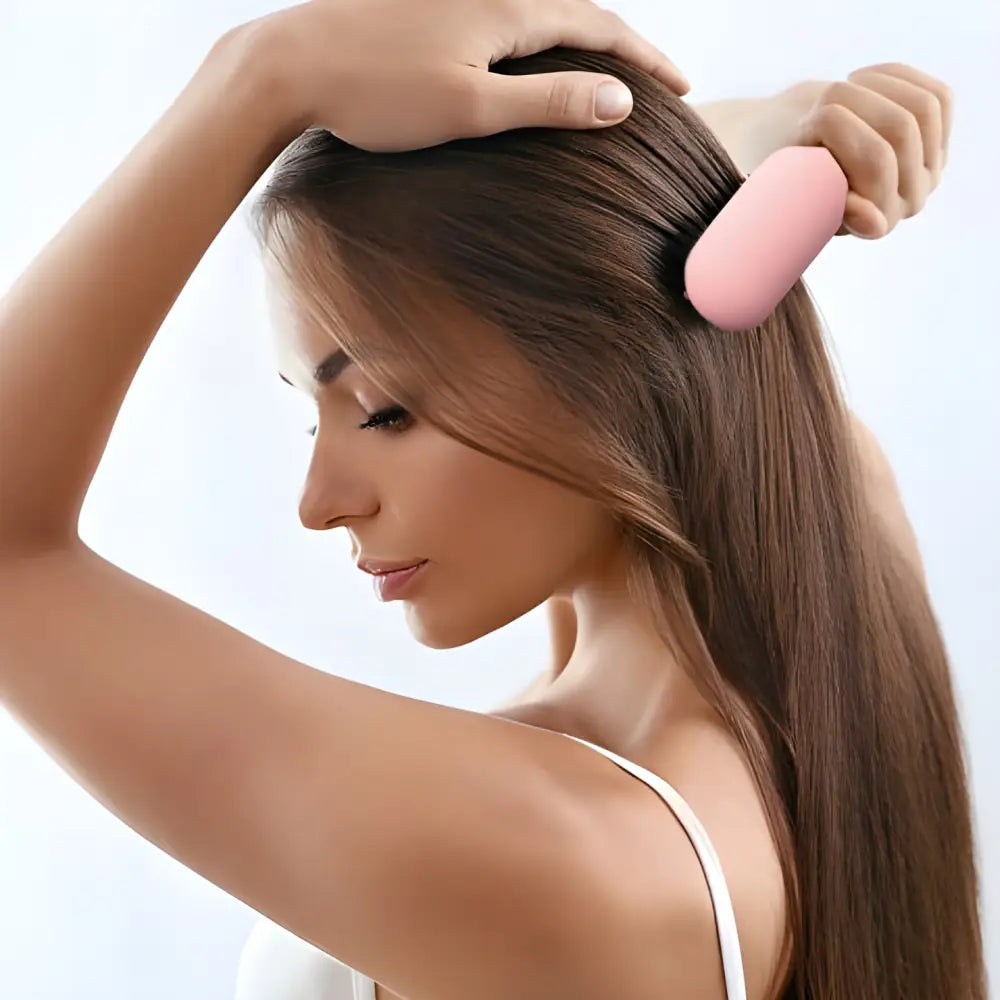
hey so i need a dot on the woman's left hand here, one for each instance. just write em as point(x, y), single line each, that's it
point(887, 126)
point(394, 75)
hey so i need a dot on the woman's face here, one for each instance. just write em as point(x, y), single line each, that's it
point(498, 540)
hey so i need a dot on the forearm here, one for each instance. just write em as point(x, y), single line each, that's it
point(76, 324)
point(730, 119)
point(751, 128)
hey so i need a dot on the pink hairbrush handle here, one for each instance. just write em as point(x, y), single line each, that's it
point(765, 237)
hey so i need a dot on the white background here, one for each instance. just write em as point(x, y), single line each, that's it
point(199, 488)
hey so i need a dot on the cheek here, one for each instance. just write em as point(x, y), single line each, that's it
point(505, 527)
point(501, 541)
point(476, 505)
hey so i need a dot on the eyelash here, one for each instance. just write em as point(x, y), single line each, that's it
point(393, 419)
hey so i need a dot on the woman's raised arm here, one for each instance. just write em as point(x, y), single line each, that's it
point(77, 323)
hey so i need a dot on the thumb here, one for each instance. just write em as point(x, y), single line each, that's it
point(572, 99)
point(863, 218)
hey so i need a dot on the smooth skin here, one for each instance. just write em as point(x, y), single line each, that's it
point(449, 854)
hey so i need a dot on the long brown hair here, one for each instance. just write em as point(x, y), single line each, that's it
point(523, 292)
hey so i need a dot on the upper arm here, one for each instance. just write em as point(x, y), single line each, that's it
point(883, 493)
point(440, 851)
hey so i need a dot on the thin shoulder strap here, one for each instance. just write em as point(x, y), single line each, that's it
point(725, 919)
point(362, 986)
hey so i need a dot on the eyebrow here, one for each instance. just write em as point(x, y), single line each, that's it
point(328, 369)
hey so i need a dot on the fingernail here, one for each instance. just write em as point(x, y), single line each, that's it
point(613, 101)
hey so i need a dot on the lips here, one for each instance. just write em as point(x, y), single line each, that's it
point(389, 586)
point(383, 569)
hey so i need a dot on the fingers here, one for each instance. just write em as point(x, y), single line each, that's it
point(923, 104)
point(496, 102)
point(868, 160)
point(937, 87)
point(584, 25)
point(888, 126)
point(877, 144)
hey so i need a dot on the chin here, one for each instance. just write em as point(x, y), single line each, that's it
point(453, 626)
point(444, 633)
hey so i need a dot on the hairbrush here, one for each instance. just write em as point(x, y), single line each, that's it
point(765, 237)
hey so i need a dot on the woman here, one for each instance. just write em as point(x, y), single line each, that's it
point(514, 394)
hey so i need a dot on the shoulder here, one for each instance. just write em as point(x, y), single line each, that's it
point(654, 931)
point(669, 940)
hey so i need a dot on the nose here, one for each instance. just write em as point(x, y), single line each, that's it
point(322, 512)
point(337, 492)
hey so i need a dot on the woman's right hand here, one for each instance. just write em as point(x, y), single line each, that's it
point(887, 126)
point(393, 75)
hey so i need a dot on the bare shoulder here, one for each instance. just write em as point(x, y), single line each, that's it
point(664, 938)
point(707, 767)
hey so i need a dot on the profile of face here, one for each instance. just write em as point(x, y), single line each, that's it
point(498, 540)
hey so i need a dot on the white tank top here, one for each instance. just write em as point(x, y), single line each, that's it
point(277, 965)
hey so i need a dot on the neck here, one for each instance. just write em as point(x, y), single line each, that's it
point(621, 686)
